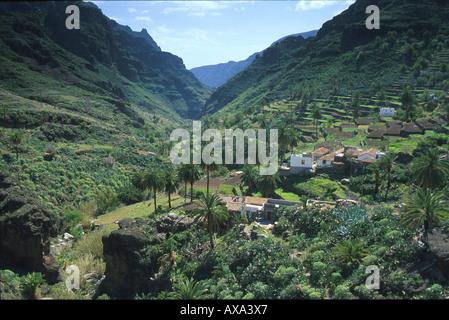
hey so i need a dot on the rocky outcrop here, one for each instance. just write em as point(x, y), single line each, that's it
point(438, 254)
point(434, 262)
point(130, 268)
point(26, 228)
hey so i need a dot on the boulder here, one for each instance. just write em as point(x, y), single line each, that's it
point(433, 264)
point(123, 249)
point(26, 227)
point(128, 270)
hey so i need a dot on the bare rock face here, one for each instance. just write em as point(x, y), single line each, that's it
point(129, 271)
point(438, 243)
point(434, 262)
point(26, 228)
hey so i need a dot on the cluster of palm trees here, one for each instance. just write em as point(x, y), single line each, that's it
point(156, 180)
point(288, 137)
point(428, 205)
point(210, 211)
point(266, 184)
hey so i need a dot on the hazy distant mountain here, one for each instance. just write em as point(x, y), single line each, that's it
point(215, 75)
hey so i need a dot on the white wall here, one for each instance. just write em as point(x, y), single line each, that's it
point(300, 161)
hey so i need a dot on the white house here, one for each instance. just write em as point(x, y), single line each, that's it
point(387, 112)
point(325, 161)
point(372, 154)
point(301, 162)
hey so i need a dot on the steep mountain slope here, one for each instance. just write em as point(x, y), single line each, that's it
point(344, 53)
point(118, 71)
point(216, 75)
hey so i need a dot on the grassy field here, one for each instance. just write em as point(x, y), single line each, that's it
point(137, 210)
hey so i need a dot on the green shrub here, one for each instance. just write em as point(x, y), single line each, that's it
point(29, 285)
point(72, 217)
point(342, 292)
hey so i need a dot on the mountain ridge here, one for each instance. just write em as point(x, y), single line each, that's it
point(217, 74)
point(102, 57)
point(344, 52)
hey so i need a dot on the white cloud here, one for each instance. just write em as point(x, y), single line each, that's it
point(312, 5)
point(117, 19)
point(198, 8)
point(132, 10)
point(144, 18)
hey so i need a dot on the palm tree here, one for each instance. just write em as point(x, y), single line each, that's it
point(407, 100)
point(208, 167)
point(386, 163)
point(17, 138)
point(193, 174)
point(168, 259)
point(355, 105)
point(425, 209)
point(349, 251)
point(138, 180)
point(212, 213)
point(316, 115)
point(249, 176)
point(189, 289)
point(153, 180)
point(171, 184)
point(375, 169)
point(181, 172)
point(268, 183)
point(294, 138)
point(283, 136)
point(429, 169)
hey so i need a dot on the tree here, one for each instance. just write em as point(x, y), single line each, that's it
point(249, 176)
point(154, 181)
point(355, 105)
point(212, 214)
point(192, 174)
point(189, 289)
point(137, 180)
point(267, 184)
point(425, 209)
point(171, 184)
point(182, 174)
point(17, 138)
point(407, 101)
point(208, 167)
point(375, 169)
point(382, 96)
point(430, 170)
point(283, 136)
point(445, 108)
point(386, 163)
point(316, 115)
point(294, 138)
point(349, 251)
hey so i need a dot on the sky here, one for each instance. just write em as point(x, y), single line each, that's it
point(211, 32)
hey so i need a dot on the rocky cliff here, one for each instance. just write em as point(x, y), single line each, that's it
point(130, 269)
point(26, 228)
